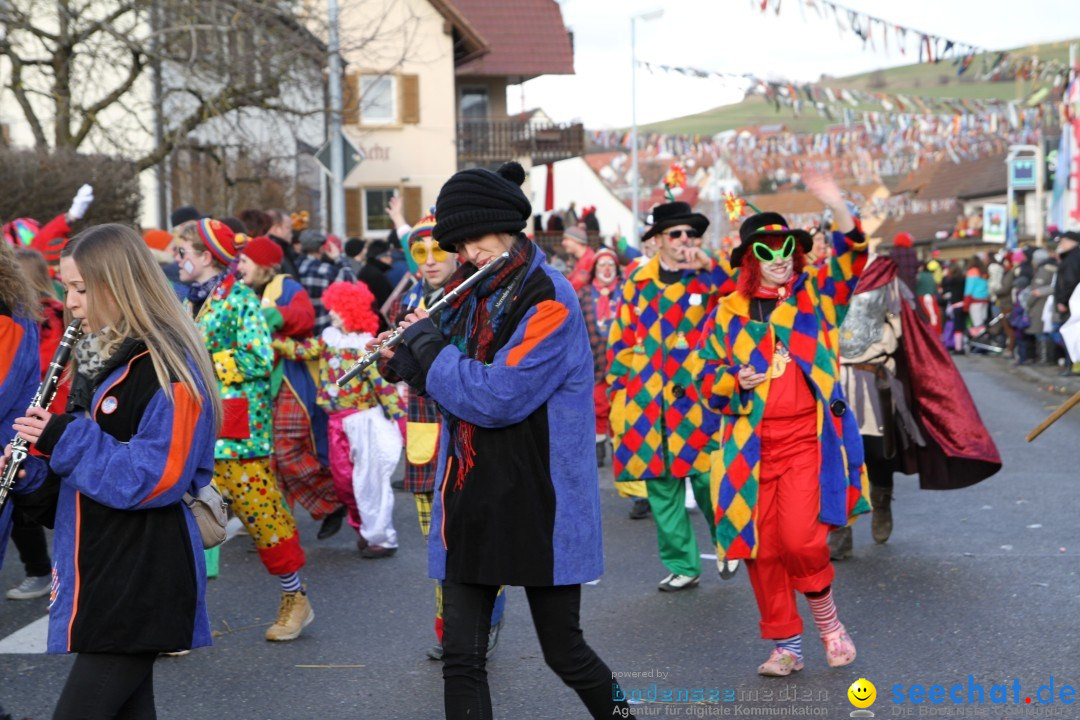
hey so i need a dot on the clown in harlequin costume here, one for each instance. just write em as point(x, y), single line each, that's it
point(435, 266)
point(365, 443)
point(792, 460)
point(238, 339)
point(290, 314)
point(661, 432)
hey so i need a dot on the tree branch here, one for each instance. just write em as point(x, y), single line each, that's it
point(89, 119)
point(19, 90)
point(102, 24)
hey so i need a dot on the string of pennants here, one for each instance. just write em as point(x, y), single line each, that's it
point(874, 144)
point(930, 47)
point(836, 104)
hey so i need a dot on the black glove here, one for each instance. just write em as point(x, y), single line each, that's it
point(425, 342)
point(404, 365)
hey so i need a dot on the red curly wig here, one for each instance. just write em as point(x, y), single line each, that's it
point(750, 270)
point(352, 302)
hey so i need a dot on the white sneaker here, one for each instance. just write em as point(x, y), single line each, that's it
point(30, 588)
point(726, 568)
point(674, 583)
point(234, 527)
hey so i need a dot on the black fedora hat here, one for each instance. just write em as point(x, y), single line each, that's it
point(675, 213)
point(767, 224)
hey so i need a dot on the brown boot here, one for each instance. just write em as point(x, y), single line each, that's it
point(881, 525)
point(294, 615)
point(840, 543)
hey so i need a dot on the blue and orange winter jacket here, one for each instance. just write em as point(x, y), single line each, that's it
point(19, 378)
point(129, 574)
point(527, 510)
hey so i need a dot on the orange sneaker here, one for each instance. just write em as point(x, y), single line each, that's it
point(781, 663)
point(839, 648)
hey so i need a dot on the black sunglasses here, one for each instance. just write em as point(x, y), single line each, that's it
point(676, 234)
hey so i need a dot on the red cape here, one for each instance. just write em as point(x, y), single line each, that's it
point(959, 450)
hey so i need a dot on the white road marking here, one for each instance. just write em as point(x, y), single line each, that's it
point(30, 640)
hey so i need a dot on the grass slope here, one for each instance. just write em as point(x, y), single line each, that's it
point(926, 79)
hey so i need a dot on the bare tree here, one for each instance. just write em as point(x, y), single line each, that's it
point(82, 71)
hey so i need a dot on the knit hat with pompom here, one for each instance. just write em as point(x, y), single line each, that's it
point(478, 202)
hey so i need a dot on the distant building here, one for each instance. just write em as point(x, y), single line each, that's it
point(438, 102)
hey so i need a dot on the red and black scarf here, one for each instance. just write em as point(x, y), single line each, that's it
point(471, 323)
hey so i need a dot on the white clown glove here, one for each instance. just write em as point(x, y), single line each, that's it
point(82, 201)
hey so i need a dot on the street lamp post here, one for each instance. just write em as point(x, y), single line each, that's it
point(651, 15)
point(337, 158)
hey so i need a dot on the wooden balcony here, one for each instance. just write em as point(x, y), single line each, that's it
point(489, 142)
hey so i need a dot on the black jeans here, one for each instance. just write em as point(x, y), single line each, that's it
point(879, 468)
point(103, 685)
point(29, 539)
point(556, 613)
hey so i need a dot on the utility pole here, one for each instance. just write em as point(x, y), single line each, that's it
point(651, 15)
point(157, 90)
point(337, 156)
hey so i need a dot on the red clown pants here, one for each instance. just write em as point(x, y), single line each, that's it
point(793, 551)
point(603, 409)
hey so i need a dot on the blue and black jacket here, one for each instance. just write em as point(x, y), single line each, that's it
point(129, 572)
point(528, 511)
point(20, 374)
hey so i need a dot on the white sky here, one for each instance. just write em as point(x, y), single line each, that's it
point(731, 36)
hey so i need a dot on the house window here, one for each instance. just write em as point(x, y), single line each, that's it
point(378, 104)
point(474, 103)
point(376, 222)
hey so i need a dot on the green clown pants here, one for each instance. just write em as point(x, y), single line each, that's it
point(674, 531)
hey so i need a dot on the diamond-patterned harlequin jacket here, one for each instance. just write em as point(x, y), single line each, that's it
point(658, 425)
point(806, 323)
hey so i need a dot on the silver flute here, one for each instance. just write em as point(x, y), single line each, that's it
point(398, 334)
point(20, 448)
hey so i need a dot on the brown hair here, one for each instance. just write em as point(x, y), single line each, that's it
point(17, 294)
point(256, 222)
point(37, 272)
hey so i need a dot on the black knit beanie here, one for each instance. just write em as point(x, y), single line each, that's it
point(477, 202)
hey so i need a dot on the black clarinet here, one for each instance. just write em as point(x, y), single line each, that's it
point(42, 399)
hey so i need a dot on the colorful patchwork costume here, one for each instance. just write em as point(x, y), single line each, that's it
point(290, 314)
point(792, 458)
point(238, 339)
point(365, 443)
point(661, 431)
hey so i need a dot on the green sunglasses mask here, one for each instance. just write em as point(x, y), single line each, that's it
point(766, 254)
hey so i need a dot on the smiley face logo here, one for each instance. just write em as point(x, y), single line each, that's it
point(862, 693)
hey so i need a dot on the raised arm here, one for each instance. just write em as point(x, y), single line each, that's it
point(836, 281)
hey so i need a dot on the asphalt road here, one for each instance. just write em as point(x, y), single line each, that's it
point(981, 582)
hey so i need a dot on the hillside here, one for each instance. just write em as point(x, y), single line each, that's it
point(936, 80)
